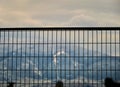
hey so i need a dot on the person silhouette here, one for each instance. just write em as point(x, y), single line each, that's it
point(110, 83)
point(11, 84)
point(59, 84)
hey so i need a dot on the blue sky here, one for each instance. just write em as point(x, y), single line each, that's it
point(49, 13)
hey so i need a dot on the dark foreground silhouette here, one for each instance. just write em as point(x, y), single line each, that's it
point(11, 84)
point(59, 84)
point(110, 83)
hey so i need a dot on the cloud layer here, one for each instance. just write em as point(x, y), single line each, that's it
point(22, 13)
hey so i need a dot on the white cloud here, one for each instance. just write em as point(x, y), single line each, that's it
point(59, 13)
point(91, 18)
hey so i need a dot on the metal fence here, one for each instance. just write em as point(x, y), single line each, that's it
point(39, 58)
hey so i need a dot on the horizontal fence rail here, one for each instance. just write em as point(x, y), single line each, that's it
point(40, 58)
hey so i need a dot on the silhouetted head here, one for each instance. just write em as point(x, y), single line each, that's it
point(10, 84)
point(108, 82)
point(59, 84)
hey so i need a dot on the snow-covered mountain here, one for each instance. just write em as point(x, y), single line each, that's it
point(53, 62)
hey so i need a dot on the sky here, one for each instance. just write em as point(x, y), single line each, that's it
point(59, 13)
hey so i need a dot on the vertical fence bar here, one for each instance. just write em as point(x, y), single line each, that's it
point(115, 56)
point(83, 57)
